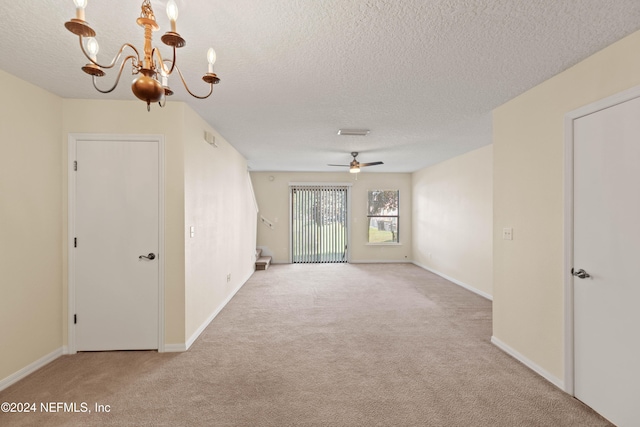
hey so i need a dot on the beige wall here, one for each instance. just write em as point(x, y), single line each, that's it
point(453, 219)
point(219, 205)
point(131, 117)
point(273, 202)
point(209, 186)
point(30, 218)
point(528, 309)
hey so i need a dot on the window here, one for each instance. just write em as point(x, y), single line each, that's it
point(382, 212)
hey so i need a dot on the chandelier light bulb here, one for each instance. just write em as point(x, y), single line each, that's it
point(80, 5)
point(172, 13)
point(151, 83)
point(211, 58)
point(164, 79)
point(92, 47)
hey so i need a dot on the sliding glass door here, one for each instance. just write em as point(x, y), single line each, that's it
point(319, 221)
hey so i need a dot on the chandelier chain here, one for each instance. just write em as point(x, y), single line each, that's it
point(147, 10)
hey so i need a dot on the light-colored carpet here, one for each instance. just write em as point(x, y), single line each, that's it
point(316, 345)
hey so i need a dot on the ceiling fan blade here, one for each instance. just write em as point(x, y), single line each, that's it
point(371, 164)
point(346, 166)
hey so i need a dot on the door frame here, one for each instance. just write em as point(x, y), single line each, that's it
point(594, 107)
point(349, 186)
point(73, 139)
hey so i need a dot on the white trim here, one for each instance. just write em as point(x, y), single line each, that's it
point(380, 261)
point(213, 315)
point(349, 222)
point(161, 245)
point(603, 104)
point(71, 233)
point(175, 348)
point(72, 140)
point(528, 363)
point(31, 368)
point(253, 193)
point(568, 256)
point(594, 107)
point(357, 261)
point(457, 282)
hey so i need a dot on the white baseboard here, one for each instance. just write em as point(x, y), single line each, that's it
point(359, 261)
point(175, 348)
point(206, 323)
point(379, 261)
point(168, 348)
point(528, 363)
point(31, 368)
point(457, 282)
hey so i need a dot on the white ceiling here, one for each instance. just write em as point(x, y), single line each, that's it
point(422, 75)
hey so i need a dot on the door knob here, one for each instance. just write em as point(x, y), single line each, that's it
point(150, 256)
point(580, 273)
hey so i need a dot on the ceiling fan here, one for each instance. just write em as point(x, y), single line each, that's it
point(354, 166)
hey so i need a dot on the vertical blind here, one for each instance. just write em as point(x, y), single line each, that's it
point(318, 224)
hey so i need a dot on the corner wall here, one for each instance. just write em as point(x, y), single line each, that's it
point(453, 220)
point(273, 201)
point(219, 204)
point(131, 117)
point(30, 218)
point(528, 304)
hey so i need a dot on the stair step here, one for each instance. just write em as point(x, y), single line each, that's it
point(263, 263)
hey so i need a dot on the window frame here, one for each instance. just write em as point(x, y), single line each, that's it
point(395, 233)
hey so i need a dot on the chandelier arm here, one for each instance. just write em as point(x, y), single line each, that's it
point(133, 58)
point(184, 83)
point(116, 58)
point(162, 61)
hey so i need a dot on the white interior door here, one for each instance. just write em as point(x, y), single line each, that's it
point(116, 221)
point(607, 247)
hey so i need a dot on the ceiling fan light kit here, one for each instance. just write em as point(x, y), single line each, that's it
point(152, 83)
point(355, 165)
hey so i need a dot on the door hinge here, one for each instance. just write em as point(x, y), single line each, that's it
point(75, 242)
point(75, 165)
point(75, 319)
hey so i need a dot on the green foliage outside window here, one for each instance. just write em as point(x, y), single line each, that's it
point(382, 212)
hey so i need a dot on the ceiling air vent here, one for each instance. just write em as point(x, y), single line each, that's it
point(354, 132)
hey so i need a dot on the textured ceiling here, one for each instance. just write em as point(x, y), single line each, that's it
point(422, 75)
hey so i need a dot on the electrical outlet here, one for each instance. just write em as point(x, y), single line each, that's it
point(228, 277)
point(507, 233)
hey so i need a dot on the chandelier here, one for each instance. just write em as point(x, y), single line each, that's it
point(152, 71)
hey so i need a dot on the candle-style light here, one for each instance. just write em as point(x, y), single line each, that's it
point(151, 83)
